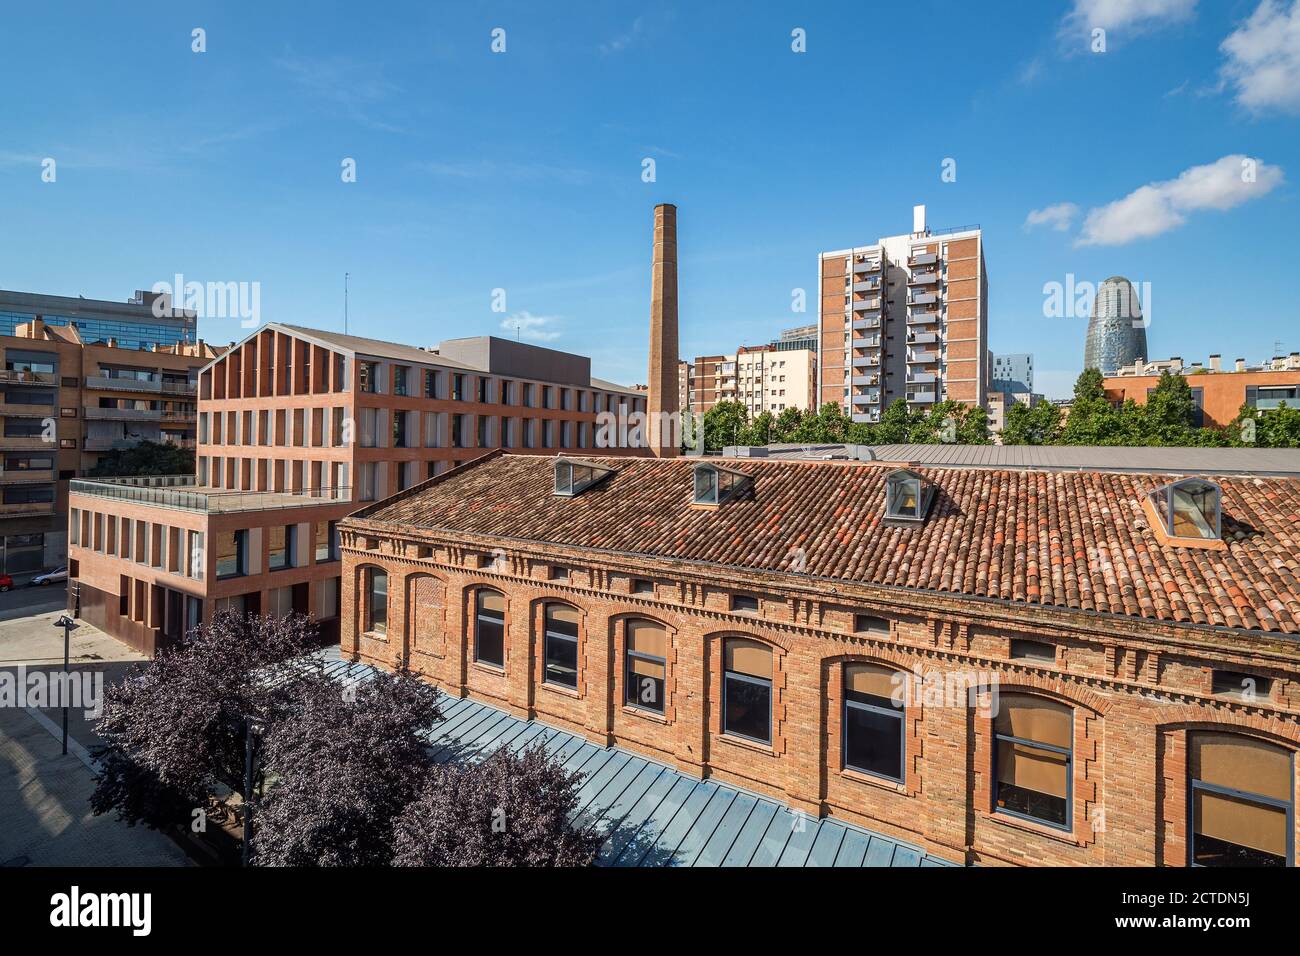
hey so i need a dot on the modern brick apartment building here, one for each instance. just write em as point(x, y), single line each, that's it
point(1219, 392)
point(763, 378)
point(904, 317)
point(66, 400)
point(296, 428)
point(998, 665)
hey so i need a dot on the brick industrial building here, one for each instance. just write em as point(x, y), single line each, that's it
point(1218, 391)
point(905, 317)
point(296, 428)
point(69, 397)
point(1130, 638)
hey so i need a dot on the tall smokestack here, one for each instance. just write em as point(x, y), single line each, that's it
point(662, 403)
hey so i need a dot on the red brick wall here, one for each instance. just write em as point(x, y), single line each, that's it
point(1136, 689)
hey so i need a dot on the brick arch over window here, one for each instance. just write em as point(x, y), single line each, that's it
point(831, 753)
point(537, 635)
point(425, 604)
point(616, 634)
point(715, 650)
point(1086, 822)
point(1172, 765)
point(470, 604)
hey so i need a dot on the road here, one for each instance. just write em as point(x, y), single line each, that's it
point(23, 601)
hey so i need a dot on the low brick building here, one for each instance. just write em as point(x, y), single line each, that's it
point(1002, 666)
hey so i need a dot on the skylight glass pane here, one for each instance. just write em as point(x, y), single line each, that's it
point(1194, 511)
point(563, 478)
point(706, 486)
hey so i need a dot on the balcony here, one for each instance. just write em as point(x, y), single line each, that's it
point(867, 342)
point(923, 278)
point(922, 298)
point(109, 444)
point(27, 411)
point(921, 396)
point(153, 385)
point(869, 397)
point(867, 285)
point(921, 356)
point(923, 259)
point(860, 325)
point(25, 443)
point(921, 378)
point(871, 265)
point(181, 493)
point(123, 414)
point(20, 476)
point(923, 317)
point(865, 379)
point(27, 509)
point(13, 376)
point(870, 417)
point(866, 361)
point(922, 338)
point(866, 305)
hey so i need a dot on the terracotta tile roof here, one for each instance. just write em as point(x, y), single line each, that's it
point(1062, 539)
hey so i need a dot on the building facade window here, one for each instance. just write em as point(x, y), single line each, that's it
point(646, 665)
point(232, 554)
point(376, 601)
point(874, 724)
point(280, 553)
point(1033, 759)
point(747, 689)
point(490, 627)
point(1242, 804)
point(560, 650)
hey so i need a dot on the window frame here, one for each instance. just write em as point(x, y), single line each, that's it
point(1194, 785)
point(629, 656)
point(894, 713)
point(370, 621)
point(548, 635)
point(480, 617)
point(1068, 825)
point(767, 683)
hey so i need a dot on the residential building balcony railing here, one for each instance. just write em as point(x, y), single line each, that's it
point(14, 376)
point(866, 361)
point(920, 378)
point(183, 494)
point(869, 323)
point(921, 356)
point(922, 338)
point(867, 342)
point(109, 444)
point(17, 410)
point(864, 379)
point(117, 384)
point(27, 509)
point(922, 298)
point(869, 397)
point(921, 396)
point(123, 414)
point(25, 443)
point(866, 305)
point(870, 417)
point(922, 316)
point(867, 285)
point(16, 476)
point(870, 265)
point(923, 259)
point(923, 278)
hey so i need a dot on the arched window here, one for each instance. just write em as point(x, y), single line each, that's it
point(873, 721)
point(1242, 807)
point(560, 646)
point(490, 627)
point(1032, 759)
point(376, 601)
point(646, 665)
point(747, 689)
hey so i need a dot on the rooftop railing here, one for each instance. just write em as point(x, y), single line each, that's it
point(182, 492)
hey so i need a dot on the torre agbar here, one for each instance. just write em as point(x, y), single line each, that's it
point(298, 427)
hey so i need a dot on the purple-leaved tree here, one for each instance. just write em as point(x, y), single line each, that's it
point(507, 810)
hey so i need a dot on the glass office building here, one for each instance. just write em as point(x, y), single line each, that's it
point(1117, 336)
point(132, 324)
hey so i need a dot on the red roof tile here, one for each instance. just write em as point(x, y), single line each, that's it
point(1062, 539)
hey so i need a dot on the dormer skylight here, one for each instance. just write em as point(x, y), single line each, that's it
point(714, 484)
point(907, 496)
point(1190, 508)
point(573, 476)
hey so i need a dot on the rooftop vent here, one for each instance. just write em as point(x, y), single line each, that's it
point(1189, 509)
point(573, 476)
point(713, 484)
point(907, 496)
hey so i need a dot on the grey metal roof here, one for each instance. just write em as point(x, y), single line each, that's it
point(651, 814)
point(1213, 461)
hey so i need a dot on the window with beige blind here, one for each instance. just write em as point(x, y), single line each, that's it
point(490, 627)
point(873, 721)
point(747, 689)
point(1032, 758)
point(1242, 806)
point(376, 601)
point(560, 646)
point(646, 665)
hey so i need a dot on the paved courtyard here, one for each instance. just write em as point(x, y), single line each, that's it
point(45, 817)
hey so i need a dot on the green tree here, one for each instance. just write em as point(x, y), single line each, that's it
point(1168, 417)
point(146, 458)
point(895, 425)
point(950, 422)
point(760, 431)
point(1265, 428)
point(724, 424)
point(787, 425)
point(1039, 425)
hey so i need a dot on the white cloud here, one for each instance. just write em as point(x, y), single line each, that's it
point(535, 328)
point(1158, 207)
point(1262, 58)
point(1131, 16)
point(624, 40)
point(1059, 217)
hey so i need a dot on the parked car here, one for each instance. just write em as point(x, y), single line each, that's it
point(50, 577)
point(6, 582)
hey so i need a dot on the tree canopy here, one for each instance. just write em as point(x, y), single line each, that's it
point(146, 458)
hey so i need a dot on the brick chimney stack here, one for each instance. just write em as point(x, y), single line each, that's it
point(662, 403)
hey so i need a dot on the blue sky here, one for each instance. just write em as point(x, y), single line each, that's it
point(522, 170)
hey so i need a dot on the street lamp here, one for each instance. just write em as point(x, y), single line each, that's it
point(67, 624)
point(253, 727)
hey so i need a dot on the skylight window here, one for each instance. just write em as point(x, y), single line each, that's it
point(1190, 508)
point(574, 476)
point(907, 496)
point(713, 485)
